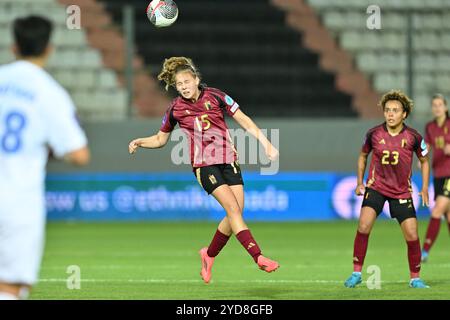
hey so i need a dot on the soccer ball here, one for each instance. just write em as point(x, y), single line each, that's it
point(162, 13)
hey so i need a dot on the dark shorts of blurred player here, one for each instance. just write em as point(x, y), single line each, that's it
point(400, 209)
point(441, 187)
point(212, 177)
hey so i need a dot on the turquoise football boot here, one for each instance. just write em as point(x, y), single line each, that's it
point(418, 283)
point(353, 280)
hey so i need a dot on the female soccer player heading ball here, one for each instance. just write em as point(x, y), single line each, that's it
point(437, 137)
point(199, 110)
point(393, 145)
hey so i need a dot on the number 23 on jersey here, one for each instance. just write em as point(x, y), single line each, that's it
point(390, 157)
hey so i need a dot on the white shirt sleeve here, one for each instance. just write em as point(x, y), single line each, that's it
point(64, 133)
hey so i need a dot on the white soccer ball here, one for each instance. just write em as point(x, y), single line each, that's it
point(162, 13)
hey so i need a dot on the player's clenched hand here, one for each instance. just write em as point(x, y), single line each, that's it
point(132, 147)
point(360, 190)
point(272, 153)
point(425, 199)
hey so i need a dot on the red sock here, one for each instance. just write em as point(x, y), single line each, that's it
point(414, 256)
point(247, 241)
point(218, 242)
point(432, 232)
point(448, 222)
point(359, 250)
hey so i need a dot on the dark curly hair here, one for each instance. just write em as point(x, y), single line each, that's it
point(398, 95)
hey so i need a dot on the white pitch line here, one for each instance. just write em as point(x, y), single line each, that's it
point(200, 281)
point(172, 266)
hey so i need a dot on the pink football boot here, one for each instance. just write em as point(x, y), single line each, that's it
point(207, 263)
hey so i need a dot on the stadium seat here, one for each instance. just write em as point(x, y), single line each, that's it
point(393, 21)
point(381, 54)
point(107, 79)
point(427, 41)
point(432, 21)
point(443, 62)
point(424, 62)
point(386, 81)
point(424, 82)
point(443, 82)
point(367, 62)
point(77, 66)
point(445, 42)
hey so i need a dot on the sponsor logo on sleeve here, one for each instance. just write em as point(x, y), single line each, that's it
point(424, 148)
point(229, 101)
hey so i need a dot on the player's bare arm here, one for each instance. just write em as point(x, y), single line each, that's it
point(447, 149)
point(362, 162)
point(425, 168)
point(158, 140)
point(429, 148)
point(80, 157)
point(247, 123)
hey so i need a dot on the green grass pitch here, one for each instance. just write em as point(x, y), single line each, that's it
point(155, 260)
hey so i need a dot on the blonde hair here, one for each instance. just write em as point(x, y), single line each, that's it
point(172, 66)
point(398, 95)
point(444, 100)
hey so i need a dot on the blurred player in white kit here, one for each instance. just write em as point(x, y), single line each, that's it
point(36, 113)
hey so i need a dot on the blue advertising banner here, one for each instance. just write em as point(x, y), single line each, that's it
point(288, 196)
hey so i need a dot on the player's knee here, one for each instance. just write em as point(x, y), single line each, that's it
point(412, 238)
point(234, 211)
point(411, 235)
point(364, 228)
point(436, 214)
point(438, 211)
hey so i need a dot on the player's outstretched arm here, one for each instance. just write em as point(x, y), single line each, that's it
point(158, 140)
point(247, 123)
point(362, 162)
point(425, 168)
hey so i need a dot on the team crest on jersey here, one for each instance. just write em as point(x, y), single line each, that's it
point(404, 141)
point(382, 141)
point(207, 105)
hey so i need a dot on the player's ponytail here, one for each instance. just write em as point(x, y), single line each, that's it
point(174, 65)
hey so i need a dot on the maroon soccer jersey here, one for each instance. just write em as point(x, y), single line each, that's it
point(391, 164)
point(437, 137)
point(204, 124)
